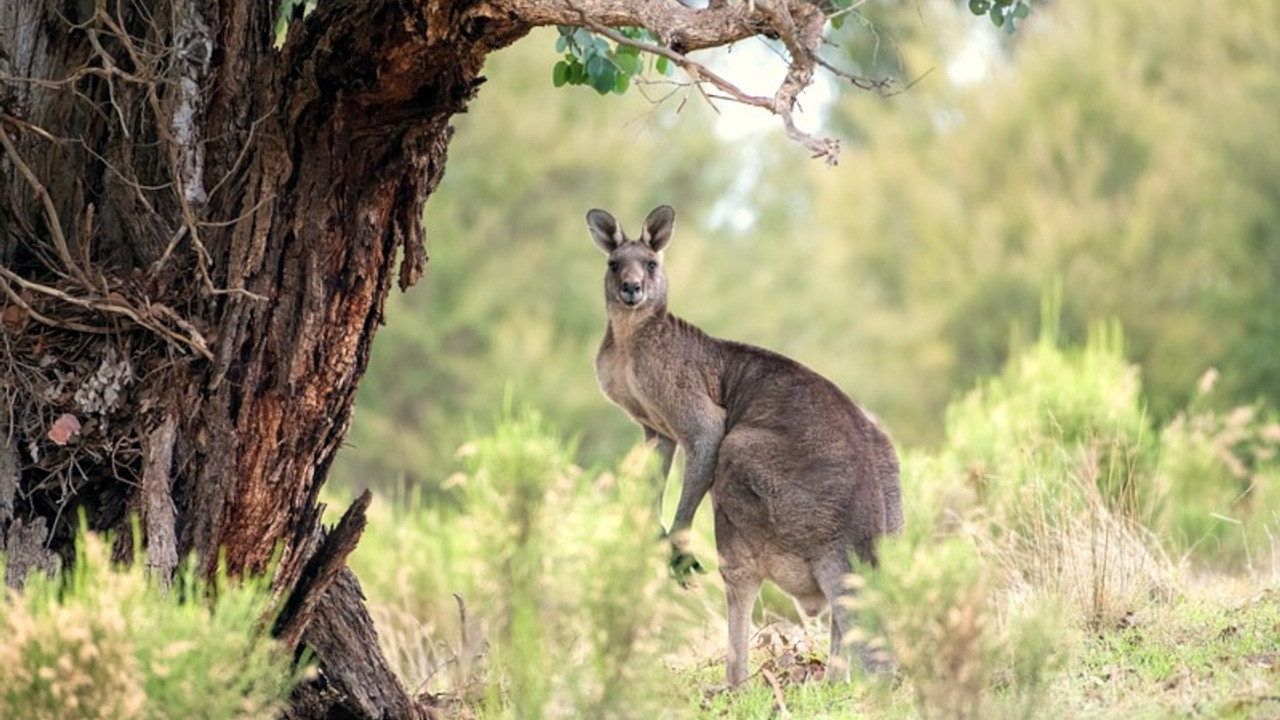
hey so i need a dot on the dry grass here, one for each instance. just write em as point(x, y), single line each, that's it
point(107, 642)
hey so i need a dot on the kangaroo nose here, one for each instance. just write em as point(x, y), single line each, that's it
point(630, 291)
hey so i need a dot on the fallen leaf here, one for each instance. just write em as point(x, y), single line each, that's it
point(64, 428)
point(14, 317)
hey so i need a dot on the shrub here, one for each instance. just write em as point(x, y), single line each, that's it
point(1056, 408)
point(1049, 470)
point(561, 571)
point(1218, 474)
point(934, 607)
point(102, 641)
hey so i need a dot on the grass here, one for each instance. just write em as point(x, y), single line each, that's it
point(1057, 562)
point(1197, 658)
point(105, 641)
point(1203, 656)
point(1061, 559)
point(969, 641)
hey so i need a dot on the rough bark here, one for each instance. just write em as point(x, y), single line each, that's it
point(200, 222)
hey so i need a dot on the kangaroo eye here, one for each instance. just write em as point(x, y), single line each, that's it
point(613, 266)
point(652, 266)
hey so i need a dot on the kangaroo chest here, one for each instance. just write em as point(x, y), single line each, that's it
point(618, 378)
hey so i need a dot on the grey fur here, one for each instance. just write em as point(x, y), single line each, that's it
point(799, 476)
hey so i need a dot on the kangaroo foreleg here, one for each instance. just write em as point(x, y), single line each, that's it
point(666, 448)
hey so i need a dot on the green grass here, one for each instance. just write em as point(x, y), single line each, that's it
point(107, 641)
point(1198, 657)
point(1051, 567)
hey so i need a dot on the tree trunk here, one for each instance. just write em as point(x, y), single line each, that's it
point(200, 229)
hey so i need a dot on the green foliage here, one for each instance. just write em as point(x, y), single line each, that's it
point(562, 572)
point(418, 569)
point(838, 11)
point(1218, 474)
point(1003, 13)
point(605, 67)
point(103, 641)
point(1023, 585)
point(1049, 468)
point(1074, 154)
point(934, 604)
point(906, 273)
point(1153, 207)
point(1074, 408)
point(935, 611)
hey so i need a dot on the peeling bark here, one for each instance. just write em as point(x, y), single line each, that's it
point(159, 515)
point(10, 474)
point(24, 547)
point(321, 571)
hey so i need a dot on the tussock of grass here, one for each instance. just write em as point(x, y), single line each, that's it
point(1219, 479)
point(108, 642)
point(568, 609)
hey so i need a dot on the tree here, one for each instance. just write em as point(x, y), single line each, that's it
point(205, 207)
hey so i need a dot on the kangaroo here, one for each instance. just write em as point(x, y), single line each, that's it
point(798, 475)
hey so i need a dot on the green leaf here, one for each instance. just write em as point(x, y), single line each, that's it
point(560, 74)
point(577, 72)
point(604, 81)
point(663, 66)
point(1022, 11)
point(597, 65)
point(997, 17)
point(622, 83)
point(979, 7)
point(627, 64)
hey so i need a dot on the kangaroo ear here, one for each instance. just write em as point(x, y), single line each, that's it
point(657, 227)
point(604, 230)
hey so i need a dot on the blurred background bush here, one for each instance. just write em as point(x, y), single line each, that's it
point(1125, 154)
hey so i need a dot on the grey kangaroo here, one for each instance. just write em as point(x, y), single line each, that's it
point(799, 476)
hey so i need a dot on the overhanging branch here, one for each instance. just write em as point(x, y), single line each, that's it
point(682, 29)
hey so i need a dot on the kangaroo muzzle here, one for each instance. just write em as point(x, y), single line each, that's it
point(632, 293)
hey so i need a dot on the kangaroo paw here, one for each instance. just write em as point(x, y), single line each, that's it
point(683, 565)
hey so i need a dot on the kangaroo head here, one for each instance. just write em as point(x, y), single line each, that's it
point(635, 278)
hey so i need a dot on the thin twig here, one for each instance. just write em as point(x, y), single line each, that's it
point(911, 84)
point(168, 249)
point(858, 81)
point(195, 340)
point(696, 70)
point(46, 320)
point(240, 157)
point(51, 212)
point(779, 702)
